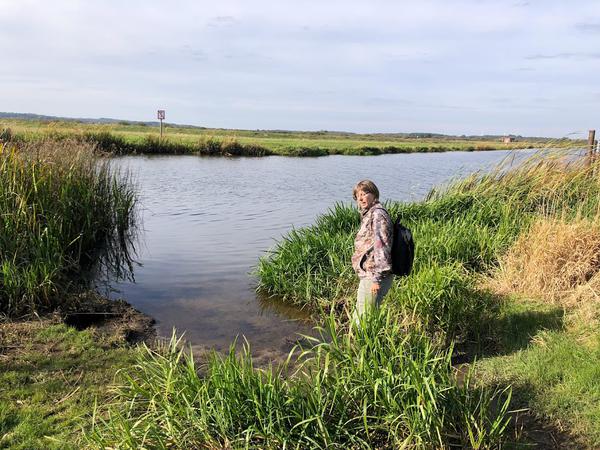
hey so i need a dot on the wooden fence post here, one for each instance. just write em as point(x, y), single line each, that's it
point(591, 145)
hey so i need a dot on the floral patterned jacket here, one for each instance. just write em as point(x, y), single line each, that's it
point(372, 258)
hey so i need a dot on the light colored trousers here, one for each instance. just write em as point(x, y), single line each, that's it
point(365, 299)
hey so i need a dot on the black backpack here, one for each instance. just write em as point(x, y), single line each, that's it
point(403, 250)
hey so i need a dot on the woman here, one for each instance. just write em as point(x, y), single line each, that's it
point(372, 259)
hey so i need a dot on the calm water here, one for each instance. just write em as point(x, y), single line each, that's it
point(207, 221)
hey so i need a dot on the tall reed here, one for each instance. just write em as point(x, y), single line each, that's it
point(548, 182)
point(63, 212)
point(152, 144)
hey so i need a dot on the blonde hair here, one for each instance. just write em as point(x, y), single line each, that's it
point(366, 186)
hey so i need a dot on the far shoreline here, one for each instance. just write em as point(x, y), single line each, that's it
point(124, 138)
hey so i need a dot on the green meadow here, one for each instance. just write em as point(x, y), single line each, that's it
point(51, 378)
point(130, 138)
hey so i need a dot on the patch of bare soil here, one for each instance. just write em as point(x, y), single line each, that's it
point(115, 318)
point(113, 321)
point(533, 432)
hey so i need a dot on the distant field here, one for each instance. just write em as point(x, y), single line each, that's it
point(138, 138)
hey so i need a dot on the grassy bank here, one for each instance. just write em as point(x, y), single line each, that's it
point(51, 376)
point(550, 278)
point(63, 215)
point(458, 234)
point(553, 371)
point(133, 138)
point(385, 387)
point(506, 268)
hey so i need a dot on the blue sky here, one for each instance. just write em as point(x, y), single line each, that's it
point(456, 67)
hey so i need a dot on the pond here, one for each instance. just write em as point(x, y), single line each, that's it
point(206, 221)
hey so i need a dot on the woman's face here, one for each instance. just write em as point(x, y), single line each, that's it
point(364, 200)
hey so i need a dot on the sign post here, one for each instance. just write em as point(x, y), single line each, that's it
point(161, 117)
point(591, 142)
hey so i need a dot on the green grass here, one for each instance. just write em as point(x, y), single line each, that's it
point(456, 235)
point(384, 387)
point(51, 376)
point(553, 370)
point(63, 213)
point(64, 216)
point(470, 223)
point(130, 138)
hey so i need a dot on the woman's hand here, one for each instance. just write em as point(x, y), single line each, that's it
point(374, 288)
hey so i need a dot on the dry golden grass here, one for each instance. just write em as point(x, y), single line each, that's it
point(63, 155)
point(556, 261)
point(548, 183)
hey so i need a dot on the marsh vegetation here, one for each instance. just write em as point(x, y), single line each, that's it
point(507, 270)
point(131, 138)
point(63, 215)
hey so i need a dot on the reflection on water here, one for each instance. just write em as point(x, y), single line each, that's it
point(208, 220)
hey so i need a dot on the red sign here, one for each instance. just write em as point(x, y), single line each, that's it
point(161, 114)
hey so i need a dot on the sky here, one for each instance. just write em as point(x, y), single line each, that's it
point(456, 67)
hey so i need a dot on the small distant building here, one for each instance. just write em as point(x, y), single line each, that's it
point(508, 139)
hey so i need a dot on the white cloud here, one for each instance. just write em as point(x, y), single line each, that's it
point(306, 64)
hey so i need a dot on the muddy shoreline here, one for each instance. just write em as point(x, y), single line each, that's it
point(114, 319)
